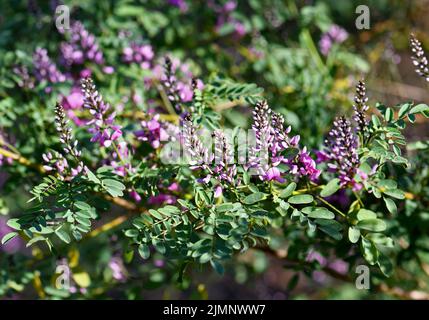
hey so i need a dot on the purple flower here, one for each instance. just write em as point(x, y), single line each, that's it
point(179, 83)
point(140, 54)
point(57, 162)
point(419, 58)
point(134, 194)
point(45, 69)
point(341, 149)
point(338, 34)
point(360, 107)
point(218, 191)
point(335, 34)
point(74, 100)
point(81, 46)
point(104, 130)
point(154, 131)
point(25, 80)
point(223, 170)
point(272, 141)
point(117, 267)
point(199, 154)
point(161, 199)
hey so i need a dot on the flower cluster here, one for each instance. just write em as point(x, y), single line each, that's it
point(119, 272)
point(224, 16)
point(103, 130)
point(152, 132)
point(178, 91)
point(57, 161)
point(335, 34)
point(199, 154)
point(360, 107)
point(140, 54)
point(45, 69)
point(420, 61)
point(81, 46)
point(341, 150)
point(272, 146)
point(225, 169)
point(219, 166)
point(25, 80)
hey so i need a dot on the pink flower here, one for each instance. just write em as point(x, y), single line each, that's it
point(74, 100)
point(273, 173)
point(108, 69)
point(218, 191)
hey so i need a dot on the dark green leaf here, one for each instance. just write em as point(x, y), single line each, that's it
point(301, 199)
point(330, 188)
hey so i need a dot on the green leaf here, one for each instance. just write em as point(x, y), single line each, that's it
point(374, 225)
point(82, 205)
point(369, 251)
point(365, 214)
point(420, 108)
point(375, 121)
point(320, 213)
point(254, 197)
point(14, 224)
point(404, 110)
point(246, 177)
point(397, 194)
point(380, 239)
point(144, 251)
point(286, 192)
point(301, 199)
point(391, 205)
point(130, 233)
point(387, 184)
point(330, 188)
point(330, 227)
point(217, 266)
point(92, 177)
point(63, 235)
point(9, 236)
point(155, 214)
point(385, 264)
point(354, 234)
point(114, 187)
point(224, 207)
point(388, 115)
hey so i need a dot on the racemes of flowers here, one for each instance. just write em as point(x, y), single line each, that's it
point(179, 83)
point(342, 152)
point(275, 153)
point(142, 54)
point(360, 107)
point(56, 162)
point(45, 69)
point(81, 46)
point(419, 58)
point(155, 131)
point(344, 140)
point(334, 35)
point(104, 131)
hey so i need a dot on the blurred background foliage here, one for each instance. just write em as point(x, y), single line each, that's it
point(274, 44)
